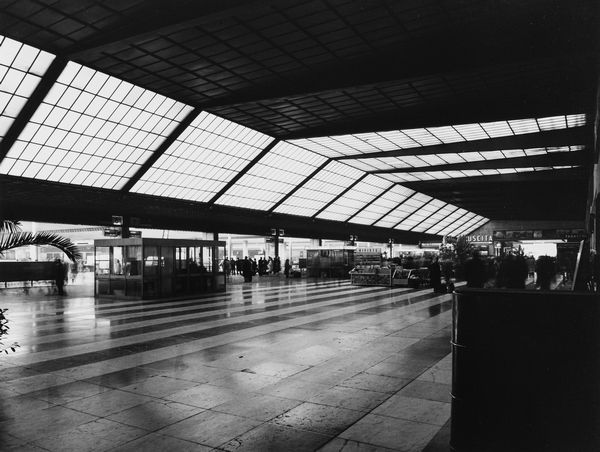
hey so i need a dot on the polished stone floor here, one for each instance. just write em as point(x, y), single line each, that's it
point(275, 365)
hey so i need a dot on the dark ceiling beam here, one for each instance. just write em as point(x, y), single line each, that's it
point(574, 158)
point(354, 184)
point(552, 138)
point(299, 186)
point(164, 18)
point(244, 171)
point(369, 203)
point(32, 104)
point(446, 55)
point(162, 148)
point(35, 200)
point(497, 106)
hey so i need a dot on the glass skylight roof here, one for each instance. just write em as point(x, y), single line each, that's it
point(423, 161)
point(437, 175)
point(357, 197)
point(382, 205)
point(469, 226)
point(92, 129)
point(411, 206)
point(21, 68)
point(96, 130)
point(207, 155)
point(365, 143)
point(321, 189)
point(275, 175)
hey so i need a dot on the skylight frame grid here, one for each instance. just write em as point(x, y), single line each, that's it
point(456, 219)
point(459, 224)
point(321, 189)
point(203, 159)
point(273, 177)
point(469, 226)
point(434, 218)
point(388, 201)
point(21, 69)
point(82, 141)
point(358, 196)
point(366, 143)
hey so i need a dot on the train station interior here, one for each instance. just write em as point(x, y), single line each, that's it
point(360, 142)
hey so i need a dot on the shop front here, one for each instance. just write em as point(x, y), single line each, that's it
point(155, 268)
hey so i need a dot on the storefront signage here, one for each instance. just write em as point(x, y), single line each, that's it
point(430, 245)
point(112, 232)
point(479, 238)
point(543, 234)
point(368, 250)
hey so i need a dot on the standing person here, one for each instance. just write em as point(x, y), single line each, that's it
point(226, 267)
point(247, 269)
point(475, 271)
point(276, 265)
point(286, 268)
point(270, 265)
point(59, 276)
point(435, 275)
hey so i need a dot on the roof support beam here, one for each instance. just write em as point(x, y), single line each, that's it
point(299, 186)
point(392, 209)
point(574, 158)
point(168, 141)
point(369, 203)
point(356, 182)
point(241, 173)
point(409, 214)
point(563, 137)
point(32, 104)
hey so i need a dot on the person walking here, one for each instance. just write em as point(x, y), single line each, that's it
point(435, 275)
point(286, 268)
point(59, 276)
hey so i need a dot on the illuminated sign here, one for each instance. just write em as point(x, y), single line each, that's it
point(479, 238)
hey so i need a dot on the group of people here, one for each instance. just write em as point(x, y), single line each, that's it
point(248, 267)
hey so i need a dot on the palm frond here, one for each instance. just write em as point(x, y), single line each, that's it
point(10, 226)
point(18, 239)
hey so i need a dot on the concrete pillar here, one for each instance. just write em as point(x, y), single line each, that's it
point(245, 248)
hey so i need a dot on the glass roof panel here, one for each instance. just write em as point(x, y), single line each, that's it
point(472, 132)
point(448, 221)
point(320, 189)
point(365, 143)
point(382, 205)
point(205, 157)
point(21, 68)
point(458, 218)
point(275, 175)
point(435, 218)
point(469, 226)
point(357, 197)
point(70, 125)
point(446, 134)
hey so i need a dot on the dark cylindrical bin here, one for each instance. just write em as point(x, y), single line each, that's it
point(526, 371)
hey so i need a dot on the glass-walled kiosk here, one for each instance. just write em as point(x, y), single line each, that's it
point(156, 268)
